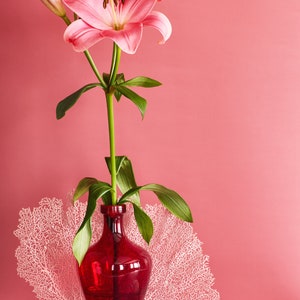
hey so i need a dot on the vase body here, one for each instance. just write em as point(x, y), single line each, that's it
point(115, 268)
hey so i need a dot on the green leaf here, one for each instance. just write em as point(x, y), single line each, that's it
point(143, 222)
point(83, 236)
point(96, 191)
point(106, 78)
point(126, 179)
point(119, 161)
point(125, 176)
point(83, 186)
point(69, 101)
point(82, 241)
point(117, 95)
point(141, 81)
point(99, 190)
point(119, 80)
point(139, 101)
point(169, 198)
point(106, 198)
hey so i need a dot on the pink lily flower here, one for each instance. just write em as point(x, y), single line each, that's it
point(122, 23)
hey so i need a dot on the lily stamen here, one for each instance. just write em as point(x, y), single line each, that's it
point(116, 23)
point(105, 2)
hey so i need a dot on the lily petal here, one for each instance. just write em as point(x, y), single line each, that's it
point(92, 12)
point(136, 10)
point(82, 36)
point(159, 21)
point(127, 39)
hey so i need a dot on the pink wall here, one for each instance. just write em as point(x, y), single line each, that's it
point(223, 130)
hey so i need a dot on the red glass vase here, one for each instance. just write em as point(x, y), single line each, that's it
point(115, 268)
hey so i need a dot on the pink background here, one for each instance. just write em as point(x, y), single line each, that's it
point(223, 130)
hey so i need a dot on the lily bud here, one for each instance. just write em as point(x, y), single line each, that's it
point(56, 7)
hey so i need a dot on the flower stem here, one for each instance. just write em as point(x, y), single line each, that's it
point(66, 20)
point(109, 93)
point(93, 65)
point(112, 146)
point(115, 63)
point(110, 114)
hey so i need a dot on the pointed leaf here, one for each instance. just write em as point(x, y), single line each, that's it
point(169, 198)
point(126, 180)
point(96, 191)
point(106, 78)
point(117, 95)
point(143, 222)
point(141, 81)
point(82, 241)
point(119, 80)
point(106, 198)
point(172, 201)
point(139, 101)
point(119, 161)
point(125, 176)
point(69, 101)
point(83, 186)
point(99, 190)
point(83, 235)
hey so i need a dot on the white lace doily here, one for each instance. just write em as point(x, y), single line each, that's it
point(45, 259)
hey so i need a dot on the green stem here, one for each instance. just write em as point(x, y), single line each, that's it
point(93, 65)
point(109, 92)
point(115, 63)
point(110, 114)
point(112, 146)
point(66, 19)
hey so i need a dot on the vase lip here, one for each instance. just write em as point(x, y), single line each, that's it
point(113, 209)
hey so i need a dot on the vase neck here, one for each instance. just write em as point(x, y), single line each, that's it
point(113, 219)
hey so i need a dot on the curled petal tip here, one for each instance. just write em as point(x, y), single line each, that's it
point(160, 22)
